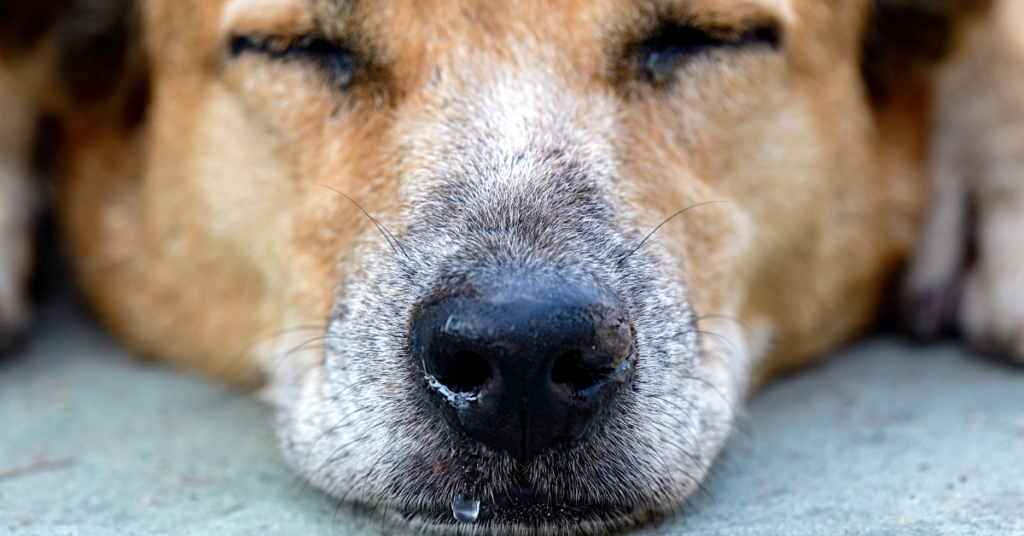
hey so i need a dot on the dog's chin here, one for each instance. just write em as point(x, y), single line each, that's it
point(514, 503)
point(521, 508)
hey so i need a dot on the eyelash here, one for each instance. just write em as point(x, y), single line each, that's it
point(331, 57)
point(673, 43)
point(662, 53)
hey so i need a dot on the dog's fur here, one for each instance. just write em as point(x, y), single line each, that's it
point(245, 211)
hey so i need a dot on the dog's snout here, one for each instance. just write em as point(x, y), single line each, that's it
point(526, 366)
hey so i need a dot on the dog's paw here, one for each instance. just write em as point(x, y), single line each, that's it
point(968, 273)
point(15, 257)
point(991, 311)
point(933, 287)
point(17, 207)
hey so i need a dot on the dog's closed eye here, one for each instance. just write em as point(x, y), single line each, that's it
point(335, 60)
point(673, 43)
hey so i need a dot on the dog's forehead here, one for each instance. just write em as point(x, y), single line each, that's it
point(416, 38)
point(442, 20)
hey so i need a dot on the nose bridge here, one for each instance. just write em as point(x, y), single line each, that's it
point(484, 109)
point(507, 172)
point(506, 147)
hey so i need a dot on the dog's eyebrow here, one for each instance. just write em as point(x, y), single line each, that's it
point(783, 9)
point(266, 16)
point(242, 15)
point(738, 14)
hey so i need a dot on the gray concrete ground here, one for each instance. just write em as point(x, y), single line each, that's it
point(886, 438)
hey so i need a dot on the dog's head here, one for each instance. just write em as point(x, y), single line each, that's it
point(547, 245)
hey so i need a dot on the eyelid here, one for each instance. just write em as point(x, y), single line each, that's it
point(671, 32)
point(273, 44)
point(673, 41)
point(330, 55)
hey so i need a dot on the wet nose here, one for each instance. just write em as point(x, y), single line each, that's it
point(526, 365)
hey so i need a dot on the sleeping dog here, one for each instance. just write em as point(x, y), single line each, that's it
point(511, 267)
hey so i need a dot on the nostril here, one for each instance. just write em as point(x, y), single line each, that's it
point(571, 369)
point(462, 372)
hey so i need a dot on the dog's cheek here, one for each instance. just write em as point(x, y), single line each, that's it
point(744, 253)
point(309, 437)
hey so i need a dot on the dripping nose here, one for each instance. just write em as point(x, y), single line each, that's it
point(527, 364)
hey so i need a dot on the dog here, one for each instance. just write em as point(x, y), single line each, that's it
point(512, 267)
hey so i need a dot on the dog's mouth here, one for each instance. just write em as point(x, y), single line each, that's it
point(523, 505)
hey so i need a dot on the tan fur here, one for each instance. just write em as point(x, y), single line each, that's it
point(146, 237)
point(227, 218)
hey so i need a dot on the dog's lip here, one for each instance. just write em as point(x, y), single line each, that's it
point(526, 505)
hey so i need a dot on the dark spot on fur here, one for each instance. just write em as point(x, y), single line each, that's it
point(905, 37)
point(98, 64)
point(98, 41)
point(98, 60)
point(23, 23)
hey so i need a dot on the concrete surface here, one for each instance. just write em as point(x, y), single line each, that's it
point(886, 438)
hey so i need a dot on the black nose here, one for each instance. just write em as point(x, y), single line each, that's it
point(528, 363)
